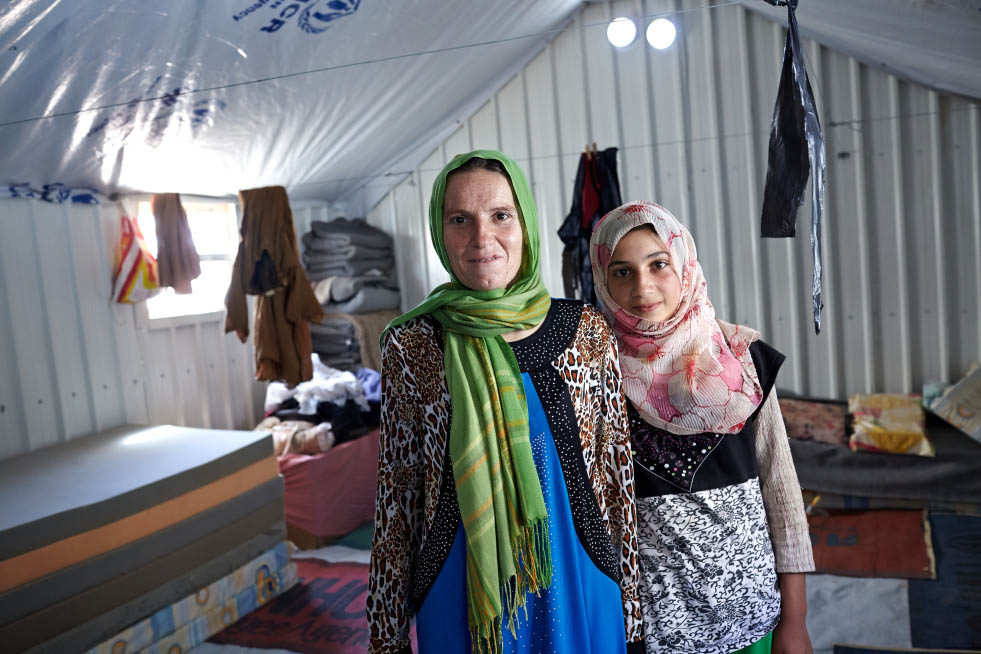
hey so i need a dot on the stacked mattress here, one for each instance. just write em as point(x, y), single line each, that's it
point(137, 538)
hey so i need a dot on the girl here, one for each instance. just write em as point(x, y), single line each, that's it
point(723, 536)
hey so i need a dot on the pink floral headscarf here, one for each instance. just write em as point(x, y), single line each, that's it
point(691, 373)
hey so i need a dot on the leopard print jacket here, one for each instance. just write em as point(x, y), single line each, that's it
point(413, 471)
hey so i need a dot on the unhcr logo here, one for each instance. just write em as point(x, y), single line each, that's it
point(311, 17)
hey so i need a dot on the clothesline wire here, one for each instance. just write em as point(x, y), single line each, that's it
point(262, 80)
point(834, 123)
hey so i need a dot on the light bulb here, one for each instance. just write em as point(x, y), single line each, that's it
point(661, 33)
point(621, 32)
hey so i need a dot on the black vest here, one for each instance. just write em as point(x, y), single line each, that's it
point(667, 464)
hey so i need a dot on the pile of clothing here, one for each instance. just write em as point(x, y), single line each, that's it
point(334, 407)
point(351, 267)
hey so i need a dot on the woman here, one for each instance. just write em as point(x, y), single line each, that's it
point(723, 536)
point(504, 518)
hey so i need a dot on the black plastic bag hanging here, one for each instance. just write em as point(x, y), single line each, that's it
point(796, 150)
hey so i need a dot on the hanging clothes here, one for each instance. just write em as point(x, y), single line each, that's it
point(177, 260)
point(596, 191)
point(268, 265)
point(796, 150)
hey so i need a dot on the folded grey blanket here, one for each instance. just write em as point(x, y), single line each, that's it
point(333, 329)
point(344, 288)
point(369, 327)
point(314, 258)
point(314, 246)
point(368, 298)
point(336, 348)
point(344, 362)
point(339, 289)
point(354, 231)
point(356, 268)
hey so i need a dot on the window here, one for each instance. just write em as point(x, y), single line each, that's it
point(214, 228)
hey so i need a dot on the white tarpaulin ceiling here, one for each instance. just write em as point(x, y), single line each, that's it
point(149, 64)
point(327, 96)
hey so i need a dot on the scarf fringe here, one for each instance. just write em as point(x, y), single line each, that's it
point(533, 573)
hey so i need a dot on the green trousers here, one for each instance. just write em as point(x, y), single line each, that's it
point(762, 646)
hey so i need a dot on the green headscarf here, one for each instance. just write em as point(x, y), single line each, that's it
point(497, 485)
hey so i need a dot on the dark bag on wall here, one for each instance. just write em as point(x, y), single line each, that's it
point(596, 192)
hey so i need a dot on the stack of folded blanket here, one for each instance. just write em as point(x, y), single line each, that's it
point(351, 266)
point(335, 339)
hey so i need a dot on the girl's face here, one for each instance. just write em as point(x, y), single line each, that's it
point(640, 277)
point(482, 230)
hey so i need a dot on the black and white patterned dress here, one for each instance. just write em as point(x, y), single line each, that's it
point(708, 571)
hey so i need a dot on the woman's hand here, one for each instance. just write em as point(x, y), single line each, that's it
point(790, 636)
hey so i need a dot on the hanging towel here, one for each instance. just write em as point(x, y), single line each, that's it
point(177, 260)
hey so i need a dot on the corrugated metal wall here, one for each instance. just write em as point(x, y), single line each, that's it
point(902, 230)
point(75, 363)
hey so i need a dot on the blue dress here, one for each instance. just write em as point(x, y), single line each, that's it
point(582, 610)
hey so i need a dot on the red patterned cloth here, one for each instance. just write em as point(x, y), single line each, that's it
point(815, 421)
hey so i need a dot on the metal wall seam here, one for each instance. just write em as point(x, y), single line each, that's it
point(865, 243)
point(899, 183)
point(974, 179)
point(48, 291)
point(939, 256)
point(13, 418)
point(204, 387)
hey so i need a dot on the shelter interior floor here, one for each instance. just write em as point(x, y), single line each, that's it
point(852, 610)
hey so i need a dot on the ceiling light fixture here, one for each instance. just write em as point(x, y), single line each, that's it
point(660, 33)
point(621, 32)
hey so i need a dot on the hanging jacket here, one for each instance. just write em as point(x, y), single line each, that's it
point(267, 265)
point(596, 191)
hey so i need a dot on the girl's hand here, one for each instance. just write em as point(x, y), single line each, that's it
point(790, 637)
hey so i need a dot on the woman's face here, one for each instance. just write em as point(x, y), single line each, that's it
point(640, 277)
point(482, 230)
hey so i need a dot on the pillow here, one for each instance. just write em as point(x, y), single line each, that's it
point(888, 423)
point(960, 404)
point(814, 421)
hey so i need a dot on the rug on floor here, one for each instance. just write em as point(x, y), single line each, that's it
point(880, 543)
point(849, 649)
point(947, 612)
point(324, 612)
point(882, 607)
